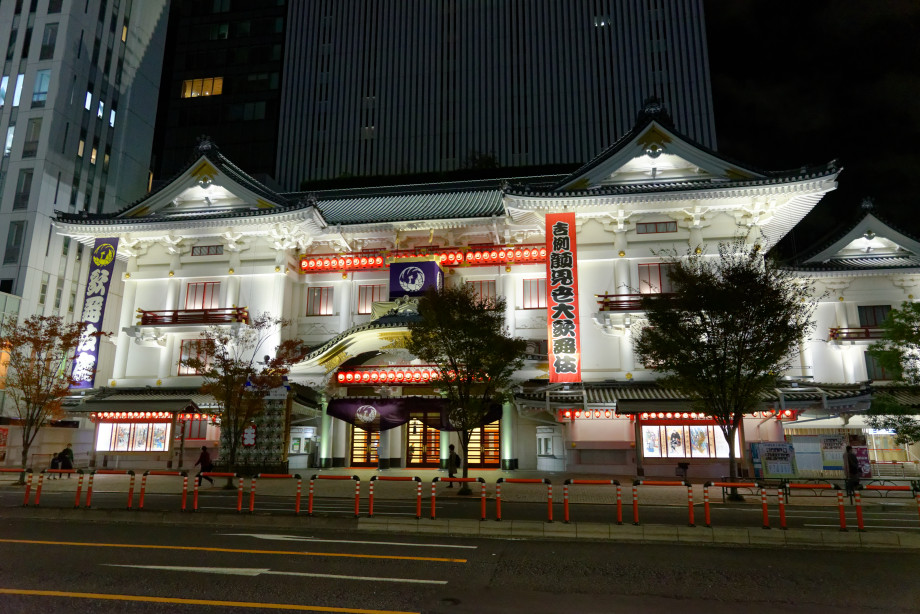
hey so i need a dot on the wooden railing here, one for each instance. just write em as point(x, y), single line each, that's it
point(167, 317)
point(624, 302)
point(859, 333)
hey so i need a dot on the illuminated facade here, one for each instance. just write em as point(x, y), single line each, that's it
point(214, 246)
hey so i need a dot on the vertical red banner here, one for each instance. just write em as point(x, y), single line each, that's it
point(562, 299)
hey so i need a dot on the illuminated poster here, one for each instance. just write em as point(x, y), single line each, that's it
point(97, 290)
point(562, 298)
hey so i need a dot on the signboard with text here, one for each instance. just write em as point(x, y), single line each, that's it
point(564, 344)
point(97, 289)
point(414, 276)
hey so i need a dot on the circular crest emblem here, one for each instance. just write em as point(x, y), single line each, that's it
point(103, 254)
point(366, 414)
point(412, 279)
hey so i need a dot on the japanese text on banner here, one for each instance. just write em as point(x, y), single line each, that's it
point(97, 290)
point(562, 299)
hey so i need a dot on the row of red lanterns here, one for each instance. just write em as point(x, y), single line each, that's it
point(787, 413)
point(130, 415)
point(448, 258)
point(588, 413)
point(400, 376)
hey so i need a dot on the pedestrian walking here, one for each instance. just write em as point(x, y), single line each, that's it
point(851, 470)
point(204, 460)
point(55, 464)
point(454, 462)
point(66, 458)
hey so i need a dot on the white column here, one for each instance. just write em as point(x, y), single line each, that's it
point(325, 445)
point(233, 291)
point(343, 300)
point(509, 289)
point(126, 319)
point(445, 442)
point(168, 368)
point(173, 287)
point(509, 461)
point(383, 450)
point(340, 442)
point(621, 275)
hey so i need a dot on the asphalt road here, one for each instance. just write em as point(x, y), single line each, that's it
point(50, 567)
point(899, 513)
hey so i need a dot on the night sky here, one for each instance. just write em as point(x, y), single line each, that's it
point(806, 82)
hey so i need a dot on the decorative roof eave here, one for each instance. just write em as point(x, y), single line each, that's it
point(346, 339)
point(820, 273)
point(413, 226)
point(305, 215)
point(869, 223)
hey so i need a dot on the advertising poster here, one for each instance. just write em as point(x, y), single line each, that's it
point(832, 447)
point(777, 460)
point(562, 299)
point(862, 455)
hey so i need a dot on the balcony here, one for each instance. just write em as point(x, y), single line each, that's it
point(859, 333)
point(624, 302)
point(172, 317)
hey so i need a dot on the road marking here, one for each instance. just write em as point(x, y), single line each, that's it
point(868, 526)
point(233, 550)
point(245, 571)
point(234, 604)
point(344, 541)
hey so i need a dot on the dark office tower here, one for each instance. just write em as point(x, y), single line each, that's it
point(221, 78)
point(421, 86)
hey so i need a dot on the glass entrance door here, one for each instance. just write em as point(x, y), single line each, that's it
point(424, 445)
point(485, 446)
point(364, 448)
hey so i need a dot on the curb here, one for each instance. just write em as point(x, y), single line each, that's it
point(507, 529)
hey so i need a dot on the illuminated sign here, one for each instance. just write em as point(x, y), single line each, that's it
point(562, 299)
point(97, 290)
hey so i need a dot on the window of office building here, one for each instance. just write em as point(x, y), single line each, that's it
point(33, 132)
point(40, 91)
point(368, 295)
point(8, 144)
point(14, 240)
point(17, 92)
point(23, 189)
point(4, 82)
point(211, 86)
point(43, 289)
point(49, 39)
point(534, 294)
point(319, 301)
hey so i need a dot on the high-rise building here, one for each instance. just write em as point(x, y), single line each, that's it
point(433, 86)
point(77, 102)
point(221, 78)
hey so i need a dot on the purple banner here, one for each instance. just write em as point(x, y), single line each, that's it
point(382, 414)
point(413, 277)
point(97, 291)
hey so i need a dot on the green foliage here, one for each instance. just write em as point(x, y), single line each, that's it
point(37, 355)
point(733, 324)
point(229, 362)
point(465, 338)
point(898, 352)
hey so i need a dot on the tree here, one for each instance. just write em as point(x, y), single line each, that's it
point(464, 336)
point(37, 355)
point(734, 321)
point(898, 352)
point(228, 362)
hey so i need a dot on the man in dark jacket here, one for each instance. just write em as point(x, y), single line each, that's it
point(66, 458)
point(851, 470)
point(204, 459)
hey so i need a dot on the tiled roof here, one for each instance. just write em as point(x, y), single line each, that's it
point(153, 399)
point(412, 206)
point(862, 263)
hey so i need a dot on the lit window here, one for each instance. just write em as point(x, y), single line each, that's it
point(319, 301)
point(367, 296)
point(80, 147)
point(40, 91)
point(112, 118)
point(535, 293)
point(88, 101)
point(484, 290)
point(92, 156)
point(124, 33)
point(192, 349)
point(8, 146)
point(203, 295)
point(644, 228)
point(193, 88)
point(4, 81)
point(101, 110)
point(655, 279)
point(18, 91)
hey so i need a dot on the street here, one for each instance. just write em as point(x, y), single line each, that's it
point(51, 566)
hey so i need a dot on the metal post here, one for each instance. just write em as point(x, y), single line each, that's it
point(297, 499)
point(433, 482)
point(131, 490)
point(781, 498)
point(565, 502)
point(690, 503)
point(252, 493)
point(140, 501)
point(763, 502)
point(549, 499)
point(76, 502)
point(860, 525)
point(498, 499)
point(483, 498)
point(843, 516)
point(310, 497)
point(619, 504)
point(635, 503)
point(370, 497)
point(706, 515)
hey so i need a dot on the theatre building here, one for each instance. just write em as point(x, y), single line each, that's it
point(571, 254)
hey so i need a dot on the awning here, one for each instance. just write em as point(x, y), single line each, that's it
point(855, 423)
point(638, 406)
point(170, 405)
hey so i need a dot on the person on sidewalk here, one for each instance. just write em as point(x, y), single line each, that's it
point(66, 458)
point(851, 470)
point(204, 459)
point(55, 465)
point(454, 463)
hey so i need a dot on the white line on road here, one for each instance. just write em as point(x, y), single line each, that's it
point(344, 541)
point(243, 571)
point(868, 526)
